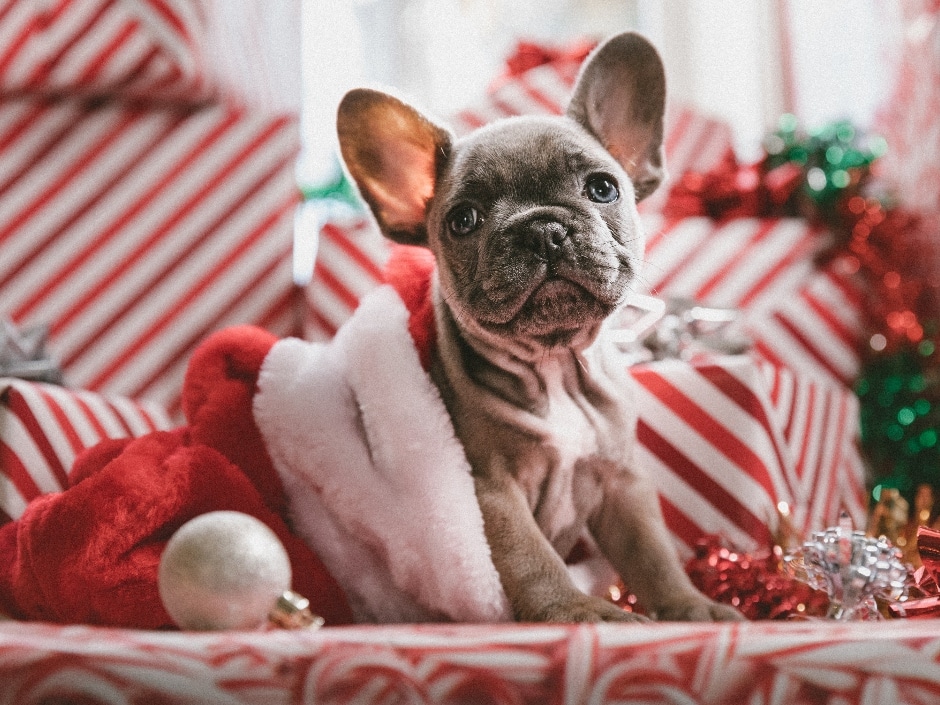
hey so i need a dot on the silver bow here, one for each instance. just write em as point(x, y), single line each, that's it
point(852, 568)
point(651, 328)
point(23, 353)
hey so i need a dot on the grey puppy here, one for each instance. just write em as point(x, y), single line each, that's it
point(534, 226)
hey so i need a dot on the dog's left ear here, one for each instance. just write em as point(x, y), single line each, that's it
point(620, 98)
point(394, 154)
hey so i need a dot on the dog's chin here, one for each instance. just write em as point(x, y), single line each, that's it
point(555, 314)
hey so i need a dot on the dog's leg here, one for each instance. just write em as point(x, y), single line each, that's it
point(630, 530)
point(533, 575)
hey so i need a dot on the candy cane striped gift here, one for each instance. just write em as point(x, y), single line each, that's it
point(43, 428)
point(728, 440)
point(145, 48)
point(349, 264)
point(767, 663)
point(801, 316)
point(908, 118)
point(134, 232)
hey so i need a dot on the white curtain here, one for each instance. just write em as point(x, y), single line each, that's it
point(746, 61)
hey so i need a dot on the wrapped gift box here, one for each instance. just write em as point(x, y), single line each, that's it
point(43, 427)
point(133, 232)
point(800, 315)
point(908, 117)
point(149, 49)
point(729, 438)
point(806, 663)
point(350, 257)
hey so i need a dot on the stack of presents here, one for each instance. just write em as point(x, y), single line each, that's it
point(145, 204)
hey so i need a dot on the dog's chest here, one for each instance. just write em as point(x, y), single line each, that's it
point(580, 443)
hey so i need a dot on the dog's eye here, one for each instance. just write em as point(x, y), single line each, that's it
point(601, 188)
point(463, 220)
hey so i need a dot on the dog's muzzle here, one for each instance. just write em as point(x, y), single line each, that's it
point(544, 237)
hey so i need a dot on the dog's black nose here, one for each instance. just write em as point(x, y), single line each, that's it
point(545, 237)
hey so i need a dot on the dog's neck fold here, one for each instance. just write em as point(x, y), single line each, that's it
point(521, 371)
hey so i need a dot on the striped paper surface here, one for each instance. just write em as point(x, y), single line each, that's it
point(138, 48)
point(135, 232)
point(43, 427)
point(756, 663)
point(909, 119)
point(727, 440)
point(800, 315)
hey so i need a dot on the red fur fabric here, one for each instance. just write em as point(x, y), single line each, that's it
point(408, 271)
point(90, 554)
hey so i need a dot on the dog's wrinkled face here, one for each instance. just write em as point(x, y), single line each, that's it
point(532, 220)
point(539, 227)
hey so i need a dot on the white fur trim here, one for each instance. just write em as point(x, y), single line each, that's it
point(377, 482)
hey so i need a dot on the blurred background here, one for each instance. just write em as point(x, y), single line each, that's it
point(744, 61)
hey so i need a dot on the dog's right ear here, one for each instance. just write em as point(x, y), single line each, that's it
point(620, 97)
point(394, 154)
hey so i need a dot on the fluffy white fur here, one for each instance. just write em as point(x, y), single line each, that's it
point(378, 484)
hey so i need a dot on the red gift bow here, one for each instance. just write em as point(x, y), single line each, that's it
point(734, 190)
point(925, 580)
point(529, 55)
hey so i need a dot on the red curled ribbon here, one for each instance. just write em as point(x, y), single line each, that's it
point(925, 602)
point(734, 190)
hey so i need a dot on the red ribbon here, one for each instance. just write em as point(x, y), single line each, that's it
point(926, 602)
point(733, 190)
point(530, 55)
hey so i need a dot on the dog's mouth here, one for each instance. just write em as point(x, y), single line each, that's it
point(554, 311)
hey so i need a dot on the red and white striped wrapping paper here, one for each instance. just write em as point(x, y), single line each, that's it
point(800, 315)
point(141, 48)
point(135, 232)
point(727, 439)
point(766, 663)
point(350, 257)
point(910, 117)
point(43, 427)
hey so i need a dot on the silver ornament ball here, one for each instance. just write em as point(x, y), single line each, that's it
point(223, 570)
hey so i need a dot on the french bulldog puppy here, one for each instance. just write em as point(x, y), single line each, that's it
point(534, 226)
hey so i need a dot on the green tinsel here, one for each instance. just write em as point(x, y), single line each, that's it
point(832, 158)
point(900, 417)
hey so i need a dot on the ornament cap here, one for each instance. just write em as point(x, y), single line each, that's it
point(292, 611)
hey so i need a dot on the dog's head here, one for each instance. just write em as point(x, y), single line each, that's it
point(532, 220)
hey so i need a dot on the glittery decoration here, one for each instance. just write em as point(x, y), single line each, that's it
point(649, 328)
point(751, 582)
point(923, 600)
point(834, 160)
point(900, 420)
point(853, 569)
point(889, 517)
point(802, 173)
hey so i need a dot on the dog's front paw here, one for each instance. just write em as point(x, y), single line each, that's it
point(697, 609)
point(582, 608)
